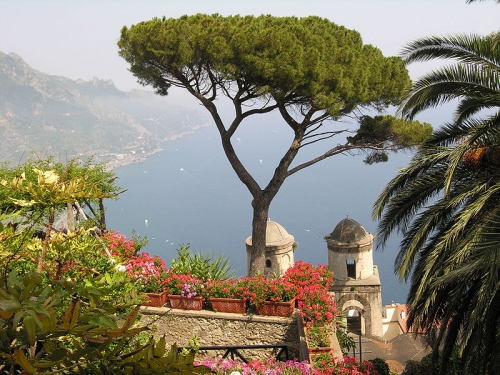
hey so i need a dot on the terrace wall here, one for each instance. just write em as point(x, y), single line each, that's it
point(222, 329)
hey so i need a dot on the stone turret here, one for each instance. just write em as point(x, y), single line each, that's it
point(279, 249)
point(356, 283)
point(350, 251)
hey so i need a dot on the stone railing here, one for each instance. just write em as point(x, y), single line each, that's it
point(225, 329)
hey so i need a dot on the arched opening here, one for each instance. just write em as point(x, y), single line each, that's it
point(361, 317)
point(355, 321)
point(351, 268)
point(268, 263)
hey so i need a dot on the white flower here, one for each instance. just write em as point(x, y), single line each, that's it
point(235, 373)
point(120, 268)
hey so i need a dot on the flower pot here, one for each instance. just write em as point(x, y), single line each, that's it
point(316, 360)
point(155, 299)
point(323, 349)
point(318, 339)
point(283, 309)
point(230, 305)
point(184, 303)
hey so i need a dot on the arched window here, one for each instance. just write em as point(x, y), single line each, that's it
point(268, 263)
point(351, 268)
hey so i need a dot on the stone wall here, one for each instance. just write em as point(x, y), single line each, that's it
point(223, 329)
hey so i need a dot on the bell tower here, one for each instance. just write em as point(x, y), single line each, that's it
point(356, 283)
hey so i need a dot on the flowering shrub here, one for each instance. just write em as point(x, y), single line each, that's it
point(221, 366)
point(147, 272)
point(229, 288)
point(191, 290)
point(326, 365)
point(304, 275)
point(317, 305)
point(259, 289)
point(120, 246)
point(311, 285)
point(183, 284)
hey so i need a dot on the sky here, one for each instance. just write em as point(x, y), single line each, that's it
point(77, 38)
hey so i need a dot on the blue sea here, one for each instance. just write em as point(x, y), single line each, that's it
point(189, 194)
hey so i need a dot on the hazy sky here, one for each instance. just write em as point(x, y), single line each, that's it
point(78, 39)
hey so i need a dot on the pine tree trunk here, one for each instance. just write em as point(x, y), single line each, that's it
point(259, 228)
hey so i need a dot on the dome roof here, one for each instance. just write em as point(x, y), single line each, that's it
point(276, 235)
point(349, 231)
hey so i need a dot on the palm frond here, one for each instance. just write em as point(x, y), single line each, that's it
point(472, 49)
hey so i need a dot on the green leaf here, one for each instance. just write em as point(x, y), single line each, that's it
point(75, 314)
point(160, 348)
point(58, 354)
point(21, 360)
point(29, 325)
point(131, 318)
point(9, 305)
point(107, 321)
point(17, 319)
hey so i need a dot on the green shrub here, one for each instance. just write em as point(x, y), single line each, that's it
point(346, 342)
point(202, 266)
point(381, 366)
point(318, 335)
point(69, 328)
point(426, 366)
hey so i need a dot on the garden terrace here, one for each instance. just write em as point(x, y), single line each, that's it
point(224, 329)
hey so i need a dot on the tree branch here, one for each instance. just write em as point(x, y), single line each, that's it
point(339, 149)
point(322, 136)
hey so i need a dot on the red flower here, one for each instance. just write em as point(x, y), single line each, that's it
point(120, 246)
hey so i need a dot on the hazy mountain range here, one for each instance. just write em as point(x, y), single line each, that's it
point(42, 115)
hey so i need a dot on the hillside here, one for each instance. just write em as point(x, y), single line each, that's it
point(52, 115)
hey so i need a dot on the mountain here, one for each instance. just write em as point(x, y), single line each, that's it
point(55, 116)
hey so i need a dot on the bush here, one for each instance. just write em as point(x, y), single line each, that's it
point(426, 366)
point(67, 327)
point(204, 267)
point(381, 366)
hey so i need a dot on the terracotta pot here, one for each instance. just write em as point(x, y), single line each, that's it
point(184, 303)
point(283, 309)
point(155, 299)
point(323, 349)
point(230, 305)
point(317, 349)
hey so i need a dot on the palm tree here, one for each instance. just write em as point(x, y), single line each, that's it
point(473, 1)
point(446, 203)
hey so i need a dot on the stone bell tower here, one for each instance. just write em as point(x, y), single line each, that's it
point(356, 280)
point(279, 250)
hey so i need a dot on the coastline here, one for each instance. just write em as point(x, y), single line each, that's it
point(124, 159)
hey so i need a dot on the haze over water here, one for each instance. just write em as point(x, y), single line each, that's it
point(189, 194)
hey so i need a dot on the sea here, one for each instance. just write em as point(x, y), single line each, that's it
point(188, 194)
